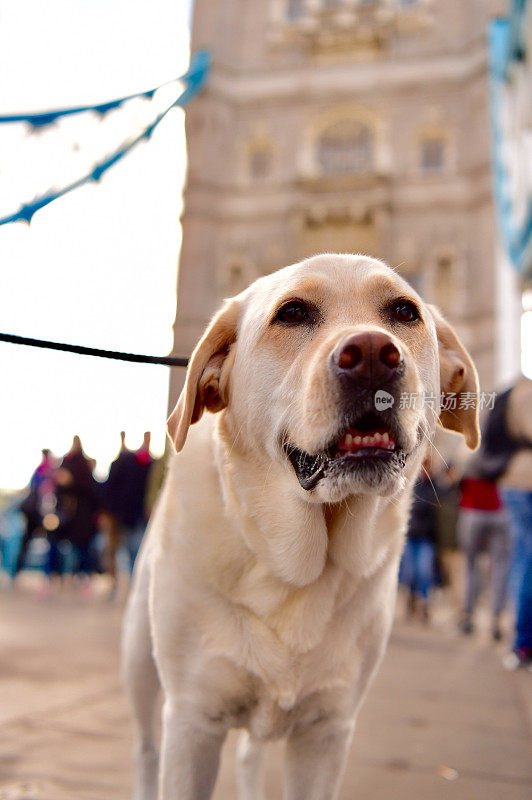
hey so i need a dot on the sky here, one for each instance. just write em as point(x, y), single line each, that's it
point(97, 267)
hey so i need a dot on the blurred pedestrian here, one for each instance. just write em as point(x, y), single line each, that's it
point(447, 545)
point(516, 488)
point(155, 480)
point(74, 518)
point(12, 529)
point(125, 492)
point(109, 517)
point(38, 502)
point(417, 569)
point(483, 526)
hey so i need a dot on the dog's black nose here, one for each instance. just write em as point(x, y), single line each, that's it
point(369, 357)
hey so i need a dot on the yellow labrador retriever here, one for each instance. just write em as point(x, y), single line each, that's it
point(265, 591)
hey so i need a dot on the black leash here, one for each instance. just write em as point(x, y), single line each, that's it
point(168, 361)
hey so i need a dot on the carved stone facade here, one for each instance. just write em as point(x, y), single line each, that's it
point(342, 125)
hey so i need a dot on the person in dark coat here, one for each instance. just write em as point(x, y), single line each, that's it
point(34, 505)
point(125, 491)
point(108, 518)
point(78, 502)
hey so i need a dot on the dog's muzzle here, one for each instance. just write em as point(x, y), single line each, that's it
point(367, 442)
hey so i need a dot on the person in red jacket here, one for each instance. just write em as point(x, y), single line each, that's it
point(483, 524)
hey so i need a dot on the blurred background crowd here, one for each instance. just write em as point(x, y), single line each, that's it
point(66, 522)
point(482, 512)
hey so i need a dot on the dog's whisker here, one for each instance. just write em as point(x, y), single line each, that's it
point(431, 444)
point(432, 484)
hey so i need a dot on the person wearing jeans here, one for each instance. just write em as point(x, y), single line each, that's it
point(520, 505)
point(516, 486)
point(417, 569)
point(483, 525)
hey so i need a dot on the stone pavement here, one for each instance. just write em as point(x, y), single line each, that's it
point(443, 720)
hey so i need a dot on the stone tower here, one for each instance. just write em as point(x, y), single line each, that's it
point(342, 125)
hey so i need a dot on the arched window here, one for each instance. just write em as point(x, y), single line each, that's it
point(235, 278)
point(236, 272)
point(416, 281)
point(443, 281)
point(345, 148)
point(432, 155)
point(295, 9)
point(260, 159)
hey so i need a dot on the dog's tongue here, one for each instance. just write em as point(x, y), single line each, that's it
point(354, 440)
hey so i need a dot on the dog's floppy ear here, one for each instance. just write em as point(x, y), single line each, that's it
point(207, 374)
point(458, 378)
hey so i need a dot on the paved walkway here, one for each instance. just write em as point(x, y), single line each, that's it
point(443, 720)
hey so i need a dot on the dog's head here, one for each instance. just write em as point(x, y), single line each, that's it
point(333, 367)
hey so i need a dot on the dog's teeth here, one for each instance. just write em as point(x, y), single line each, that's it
point(385, 438)
point(366, 440)
point(348, 439)
point(358, 440)
point(377, 438)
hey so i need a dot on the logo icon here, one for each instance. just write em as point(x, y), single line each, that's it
point(383, 400)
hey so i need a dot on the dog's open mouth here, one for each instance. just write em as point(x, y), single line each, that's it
point(366, 443)
point(355, 441)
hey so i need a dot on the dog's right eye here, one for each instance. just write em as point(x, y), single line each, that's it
point(293, 313)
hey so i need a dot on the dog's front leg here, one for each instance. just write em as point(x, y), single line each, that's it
point(315, 759)
point(190, 756)
point(250, 768)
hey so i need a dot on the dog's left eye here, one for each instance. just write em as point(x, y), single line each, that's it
point(293, 313)
point(404, 311)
